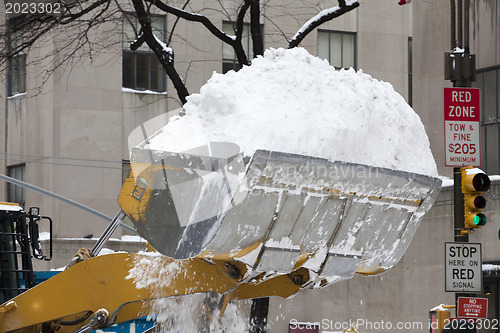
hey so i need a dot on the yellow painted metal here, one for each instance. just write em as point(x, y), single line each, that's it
point(441, 320)
point(13, 204)
point(281, 285)
point(377, 270)
point(128, 196)
point(133, 207)
point(101, 282)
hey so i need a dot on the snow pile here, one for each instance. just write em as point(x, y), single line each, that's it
point(291, 101)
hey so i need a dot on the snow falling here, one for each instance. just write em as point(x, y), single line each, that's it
point(188, 313)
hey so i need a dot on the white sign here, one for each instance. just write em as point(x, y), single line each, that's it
point(462, 126)
point(463, 267)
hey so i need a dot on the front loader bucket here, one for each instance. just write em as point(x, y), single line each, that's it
point(277, 212)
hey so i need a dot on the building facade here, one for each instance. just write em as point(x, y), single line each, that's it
point(70, 132)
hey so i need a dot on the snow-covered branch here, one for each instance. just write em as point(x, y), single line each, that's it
point(322, 17)
point(193, 17)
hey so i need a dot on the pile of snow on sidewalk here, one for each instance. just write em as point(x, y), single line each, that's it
point(291, 101)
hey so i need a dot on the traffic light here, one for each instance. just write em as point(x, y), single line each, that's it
point(473, 186)
point(438, 318)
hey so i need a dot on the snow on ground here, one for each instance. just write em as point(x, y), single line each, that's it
point(291, 101)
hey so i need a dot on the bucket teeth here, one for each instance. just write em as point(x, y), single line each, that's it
point(278, 212)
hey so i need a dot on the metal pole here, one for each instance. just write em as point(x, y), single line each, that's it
point(459, 24)
point(458, 212)
point(453, 25)
point(459, 219)
point(64, 199)
point(466, 26)
point(117, 220)
point(464, 81)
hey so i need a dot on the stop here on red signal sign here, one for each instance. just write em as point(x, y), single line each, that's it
point(462, 127)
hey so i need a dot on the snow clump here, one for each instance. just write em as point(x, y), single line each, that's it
point(291, 101)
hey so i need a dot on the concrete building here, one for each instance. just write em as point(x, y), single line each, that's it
point(70, 132)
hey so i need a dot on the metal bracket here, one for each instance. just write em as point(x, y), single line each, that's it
point(98, 320)
point(460, 66)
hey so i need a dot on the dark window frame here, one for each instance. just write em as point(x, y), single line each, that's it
point(490, 126)
point(16, 193)
point(342, 34)
point(149, 78)
point(16, 66)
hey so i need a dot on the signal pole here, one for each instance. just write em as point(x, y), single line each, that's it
point(458, 209)
point(460, 68)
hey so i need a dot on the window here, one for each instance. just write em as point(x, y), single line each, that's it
point(488, 81)
point(125, 170)
point(338, 47)
point(16, 72)
point(229, 60)
point(141, 68)
point(15, 193)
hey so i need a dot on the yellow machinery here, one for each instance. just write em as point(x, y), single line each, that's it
point(271, 225)
point(439, 317)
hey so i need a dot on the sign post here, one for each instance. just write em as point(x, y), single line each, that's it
point(463, 267)
point(462, 126)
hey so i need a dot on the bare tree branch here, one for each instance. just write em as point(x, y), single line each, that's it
point(165, 57)
point(237, 46)
point(71, 17)
point(257, 38)
point(234, 42)
point(74, 31)
point(38, 25)
point(175, 24)
point(324, 16)
point(192, 17)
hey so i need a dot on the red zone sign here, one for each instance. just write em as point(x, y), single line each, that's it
point(471, 307)
point(461, 127)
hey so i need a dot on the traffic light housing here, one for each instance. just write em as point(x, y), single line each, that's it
point(438, 318)
point(473, 186)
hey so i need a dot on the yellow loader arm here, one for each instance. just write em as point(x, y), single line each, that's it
point(101, 285)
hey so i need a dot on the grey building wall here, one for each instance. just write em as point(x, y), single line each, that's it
point(431, 39)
